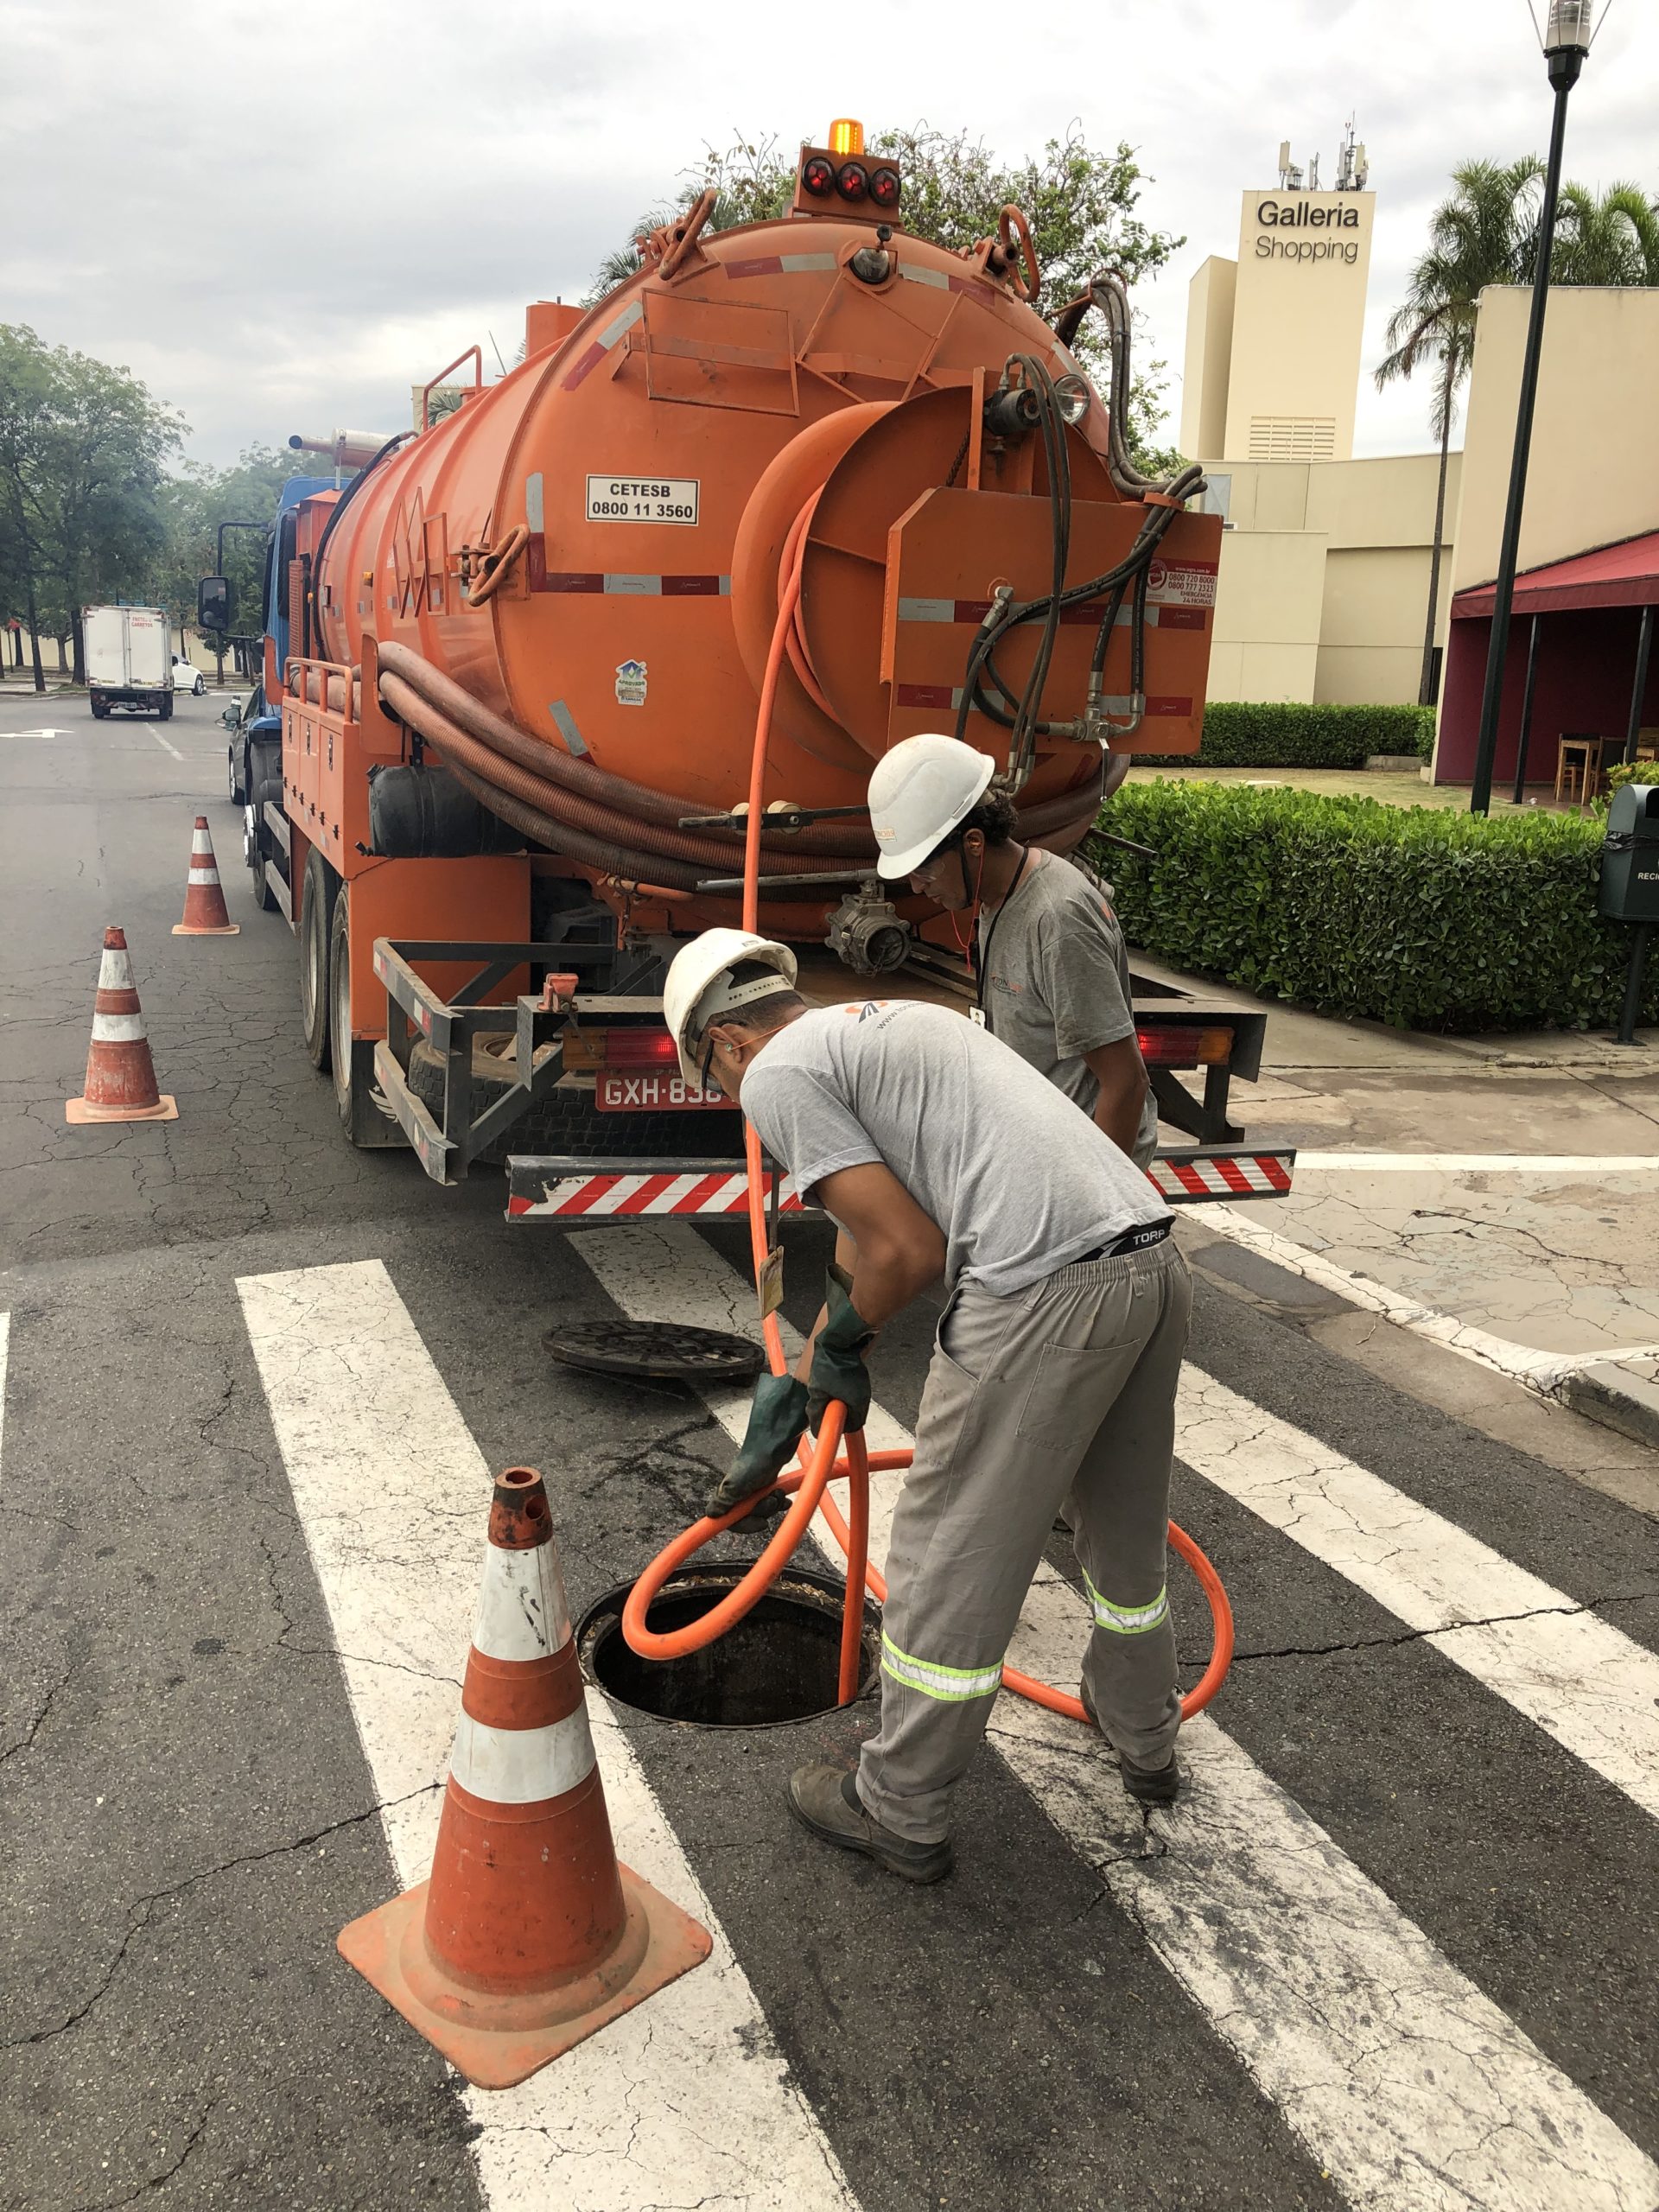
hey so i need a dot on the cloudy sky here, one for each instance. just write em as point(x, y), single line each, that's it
point(280, 217)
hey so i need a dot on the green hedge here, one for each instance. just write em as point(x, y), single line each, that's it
point(1259, 734)
point(1426, 918)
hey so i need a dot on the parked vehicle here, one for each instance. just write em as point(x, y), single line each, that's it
point(129, 659)
point(519, 696)
point(186, 677)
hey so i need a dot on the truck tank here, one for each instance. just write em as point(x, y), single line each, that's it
point(570, 586)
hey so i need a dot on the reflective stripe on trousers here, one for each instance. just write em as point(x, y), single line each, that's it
point(1126, 1620)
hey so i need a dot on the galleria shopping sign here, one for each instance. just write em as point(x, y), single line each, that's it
point(1281, 215)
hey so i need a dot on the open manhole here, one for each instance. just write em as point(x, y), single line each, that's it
point(781, 1662)
point(662, 1348)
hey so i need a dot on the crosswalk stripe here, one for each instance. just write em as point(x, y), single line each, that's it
point(1398, 2074)
point(393, 1495)
point(1574, 1675)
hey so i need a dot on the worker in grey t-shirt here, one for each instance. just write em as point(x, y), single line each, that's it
point(1053, 1378)
point(1053, 974)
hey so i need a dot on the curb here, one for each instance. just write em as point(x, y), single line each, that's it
point(1618, 1401)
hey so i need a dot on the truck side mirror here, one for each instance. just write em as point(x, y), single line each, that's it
point(214, 604)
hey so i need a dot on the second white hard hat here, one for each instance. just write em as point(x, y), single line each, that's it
point(919, 792)
point(698, 988)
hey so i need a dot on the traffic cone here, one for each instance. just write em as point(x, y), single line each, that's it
point(120, 1074)
point(204, 911)
point(527, 1935)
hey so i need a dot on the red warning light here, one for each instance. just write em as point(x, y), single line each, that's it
point(818, 177)
point(852, 181)
point(885, 187)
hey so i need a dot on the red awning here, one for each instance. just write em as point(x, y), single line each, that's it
point(1626, 575)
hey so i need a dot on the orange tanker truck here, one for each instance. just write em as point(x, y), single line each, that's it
point(519, 656)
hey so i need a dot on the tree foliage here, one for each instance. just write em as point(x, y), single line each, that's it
point(1082, 204)
point(84, 449)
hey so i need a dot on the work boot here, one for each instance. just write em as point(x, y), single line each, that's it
point(827, 1802)
point(1148, 1785)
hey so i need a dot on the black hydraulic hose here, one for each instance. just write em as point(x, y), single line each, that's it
point(334, 514)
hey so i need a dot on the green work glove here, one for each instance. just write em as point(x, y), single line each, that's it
point(777, 1416)
point(838, 1368)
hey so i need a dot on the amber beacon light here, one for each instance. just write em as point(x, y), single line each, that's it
point(846, 137)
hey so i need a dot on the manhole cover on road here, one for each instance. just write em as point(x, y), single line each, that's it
point(655, 1348)
point(781, 1662)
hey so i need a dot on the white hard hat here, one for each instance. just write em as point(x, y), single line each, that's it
point(919, 793)
point(699, 989)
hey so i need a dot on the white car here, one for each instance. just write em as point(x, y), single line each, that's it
point(186, 677)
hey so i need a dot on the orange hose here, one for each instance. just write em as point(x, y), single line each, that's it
point(820, 1467)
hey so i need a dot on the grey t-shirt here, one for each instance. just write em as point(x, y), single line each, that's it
point(1016, 1179)
point(1056, 983)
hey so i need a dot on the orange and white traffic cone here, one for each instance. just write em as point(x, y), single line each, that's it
point(527, 1935)
point(204, 911)
point(120, 1073)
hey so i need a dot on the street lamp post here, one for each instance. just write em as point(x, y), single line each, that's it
point(1566, 42)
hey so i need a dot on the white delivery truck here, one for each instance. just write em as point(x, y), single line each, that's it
point(129, 654)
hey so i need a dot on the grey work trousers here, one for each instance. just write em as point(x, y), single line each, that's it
point(1064, 1393)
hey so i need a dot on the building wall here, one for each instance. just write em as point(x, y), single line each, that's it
point(1208, 349)
point(1344, 623)
point(1593, 471)
point(1269, 597)
point(1298, 316)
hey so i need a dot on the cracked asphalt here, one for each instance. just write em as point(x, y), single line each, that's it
point(187, 1814)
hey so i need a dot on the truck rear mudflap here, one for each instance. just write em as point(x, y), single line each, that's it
point(571, 1193)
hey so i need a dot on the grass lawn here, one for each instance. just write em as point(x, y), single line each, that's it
point(1407, 790)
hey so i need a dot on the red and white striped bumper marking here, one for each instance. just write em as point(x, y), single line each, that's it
point(1228, 1175)
point(595, 1198)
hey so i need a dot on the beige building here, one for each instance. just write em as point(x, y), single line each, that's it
point(1324, 565)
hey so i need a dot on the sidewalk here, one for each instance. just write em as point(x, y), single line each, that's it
point(1503, 1189)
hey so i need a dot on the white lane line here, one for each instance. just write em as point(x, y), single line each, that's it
point(1477, 1163)
point(1575, 1676)
point(685, 2100)
point(167, 744)
point(1542, 1371)
point(1410, 2087)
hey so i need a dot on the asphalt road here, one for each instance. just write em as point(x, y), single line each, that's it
point(1398, 1952)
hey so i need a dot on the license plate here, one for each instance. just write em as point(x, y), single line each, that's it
point(616, 1091)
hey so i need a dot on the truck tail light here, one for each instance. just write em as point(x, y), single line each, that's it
point(819, 176)
point(852, 181)
point(1174, 1046)
point(885, 187)
point(639, 1048)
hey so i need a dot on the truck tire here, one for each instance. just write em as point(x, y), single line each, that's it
point(165, 709)
point(100, 710)
point(366, 1120)
point(239, 787)
point(316, 920)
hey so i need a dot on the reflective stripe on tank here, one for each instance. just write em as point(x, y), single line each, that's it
point(950, 1685)
point(1127, 1620)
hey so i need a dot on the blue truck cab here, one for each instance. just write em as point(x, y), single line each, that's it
point(254, 753)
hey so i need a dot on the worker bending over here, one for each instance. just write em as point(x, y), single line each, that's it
point(1048, 954)
point(1054, 1370)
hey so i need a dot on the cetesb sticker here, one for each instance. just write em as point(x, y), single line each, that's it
point(631, 684)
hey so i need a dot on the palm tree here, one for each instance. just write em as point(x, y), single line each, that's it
point(1609, 239)
point(1485, 232)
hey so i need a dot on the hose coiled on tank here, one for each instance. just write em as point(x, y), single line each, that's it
point(604, 821)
